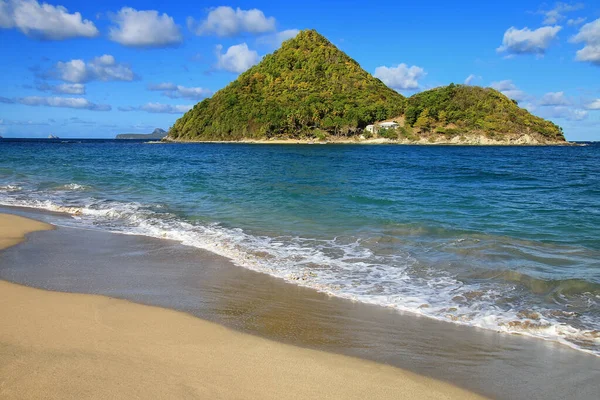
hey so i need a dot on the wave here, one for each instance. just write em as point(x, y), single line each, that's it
point(10, 188)
point(73, 186)
point(352, 268)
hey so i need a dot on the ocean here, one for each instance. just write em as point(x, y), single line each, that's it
point(501, 238)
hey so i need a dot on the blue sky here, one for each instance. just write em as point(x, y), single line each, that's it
point(96, 69)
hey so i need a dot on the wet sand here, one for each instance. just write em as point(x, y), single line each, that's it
point(167, 274)
point(67, 345)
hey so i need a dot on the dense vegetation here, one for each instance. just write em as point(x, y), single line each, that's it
point(459, 108)
point(307, 88)
point(310, 89)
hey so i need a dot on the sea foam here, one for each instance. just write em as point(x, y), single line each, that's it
point(345, 267)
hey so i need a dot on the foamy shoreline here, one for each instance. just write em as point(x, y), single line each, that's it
point(98, 347)
point(226, 243)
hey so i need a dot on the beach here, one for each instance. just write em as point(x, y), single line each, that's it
point(469, 266)
point(65, 345)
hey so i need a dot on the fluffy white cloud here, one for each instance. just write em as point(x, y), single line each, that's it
point(63, 88)
point(593, 105)
point(158, 108)
point(145, 28)
point(225, 21)
point(66, 102)
point(509, 89)
point(570, 114)
point(177, 91)
point(401, 77)
point(165, 108)
point(472, 79)
point(554, 99)
point(557, 14)
point(526, 41)
point(103, 68)
point(276, 39)
point(589, 34)
point(44, 21)
point(237, 58)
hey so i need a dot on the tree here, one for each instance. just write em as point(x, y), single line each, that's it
point(424, 121)
point(442, 117)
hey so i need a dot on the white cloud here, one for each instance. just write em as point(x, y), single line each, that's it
point(576, 21)
point(165, 108)
point(554, 99)
point(145, 28)
point(276, 39)
point(589, 34)
point(103, 68)
point(44, 21)
point(63, 88)
point(158, 108)
point(401, 77)
point(509, 89)
point(557, 14)
point(24, 123)
point(526, 41)
point(162, 86)
point(593, 105)
point(66, 102)
point(570, 114)
point(177, 91)
point(225, 21)
point(237, 58)
point(472, 78)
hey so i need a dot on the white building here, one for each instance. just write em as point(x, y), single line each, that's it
point(388, 125)
point(383, 125)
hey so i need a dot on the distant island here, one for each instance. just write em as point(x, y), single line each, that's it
point(157, 134)
point(310, 91)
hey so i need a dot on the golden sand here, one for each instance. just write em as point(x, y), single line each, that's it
point(77, 346)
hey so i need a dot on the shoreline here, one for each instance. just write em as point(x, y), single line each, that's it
point(473, 140)
point(71, 212)
point(81, 345)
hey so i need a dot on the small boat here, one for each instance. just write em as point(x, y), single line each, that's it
point(53, 137)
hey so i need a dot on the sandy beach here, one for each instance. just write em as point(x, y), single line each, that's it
point(63, 345)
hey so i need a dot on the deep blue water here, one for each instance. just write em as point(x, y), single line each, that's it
point(505, 238)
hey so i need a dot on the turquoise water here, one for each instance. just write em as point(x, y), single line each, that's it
point(502, 238)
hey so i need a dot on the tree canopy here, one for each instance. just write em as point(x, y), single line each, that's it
point(310, 89)
point(472, 108)
point(306, 86)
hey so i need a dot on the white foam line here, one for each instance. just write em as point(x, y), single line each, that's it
point(296, 266)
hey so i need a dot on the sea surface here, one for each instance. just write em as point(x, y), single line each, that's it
point(501, 238)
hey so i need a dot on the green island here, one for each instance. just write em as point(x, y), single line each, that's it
point(157, 134)
point(310, 91)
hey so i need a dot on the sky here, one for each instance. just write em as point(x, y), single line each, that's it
point(96, 69)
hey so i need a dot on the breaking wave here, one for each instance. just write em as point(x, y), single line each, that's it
point(355, 268)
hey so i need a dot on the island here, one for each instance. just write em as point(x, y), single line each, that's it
point(157, 134)
point(310, 91)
